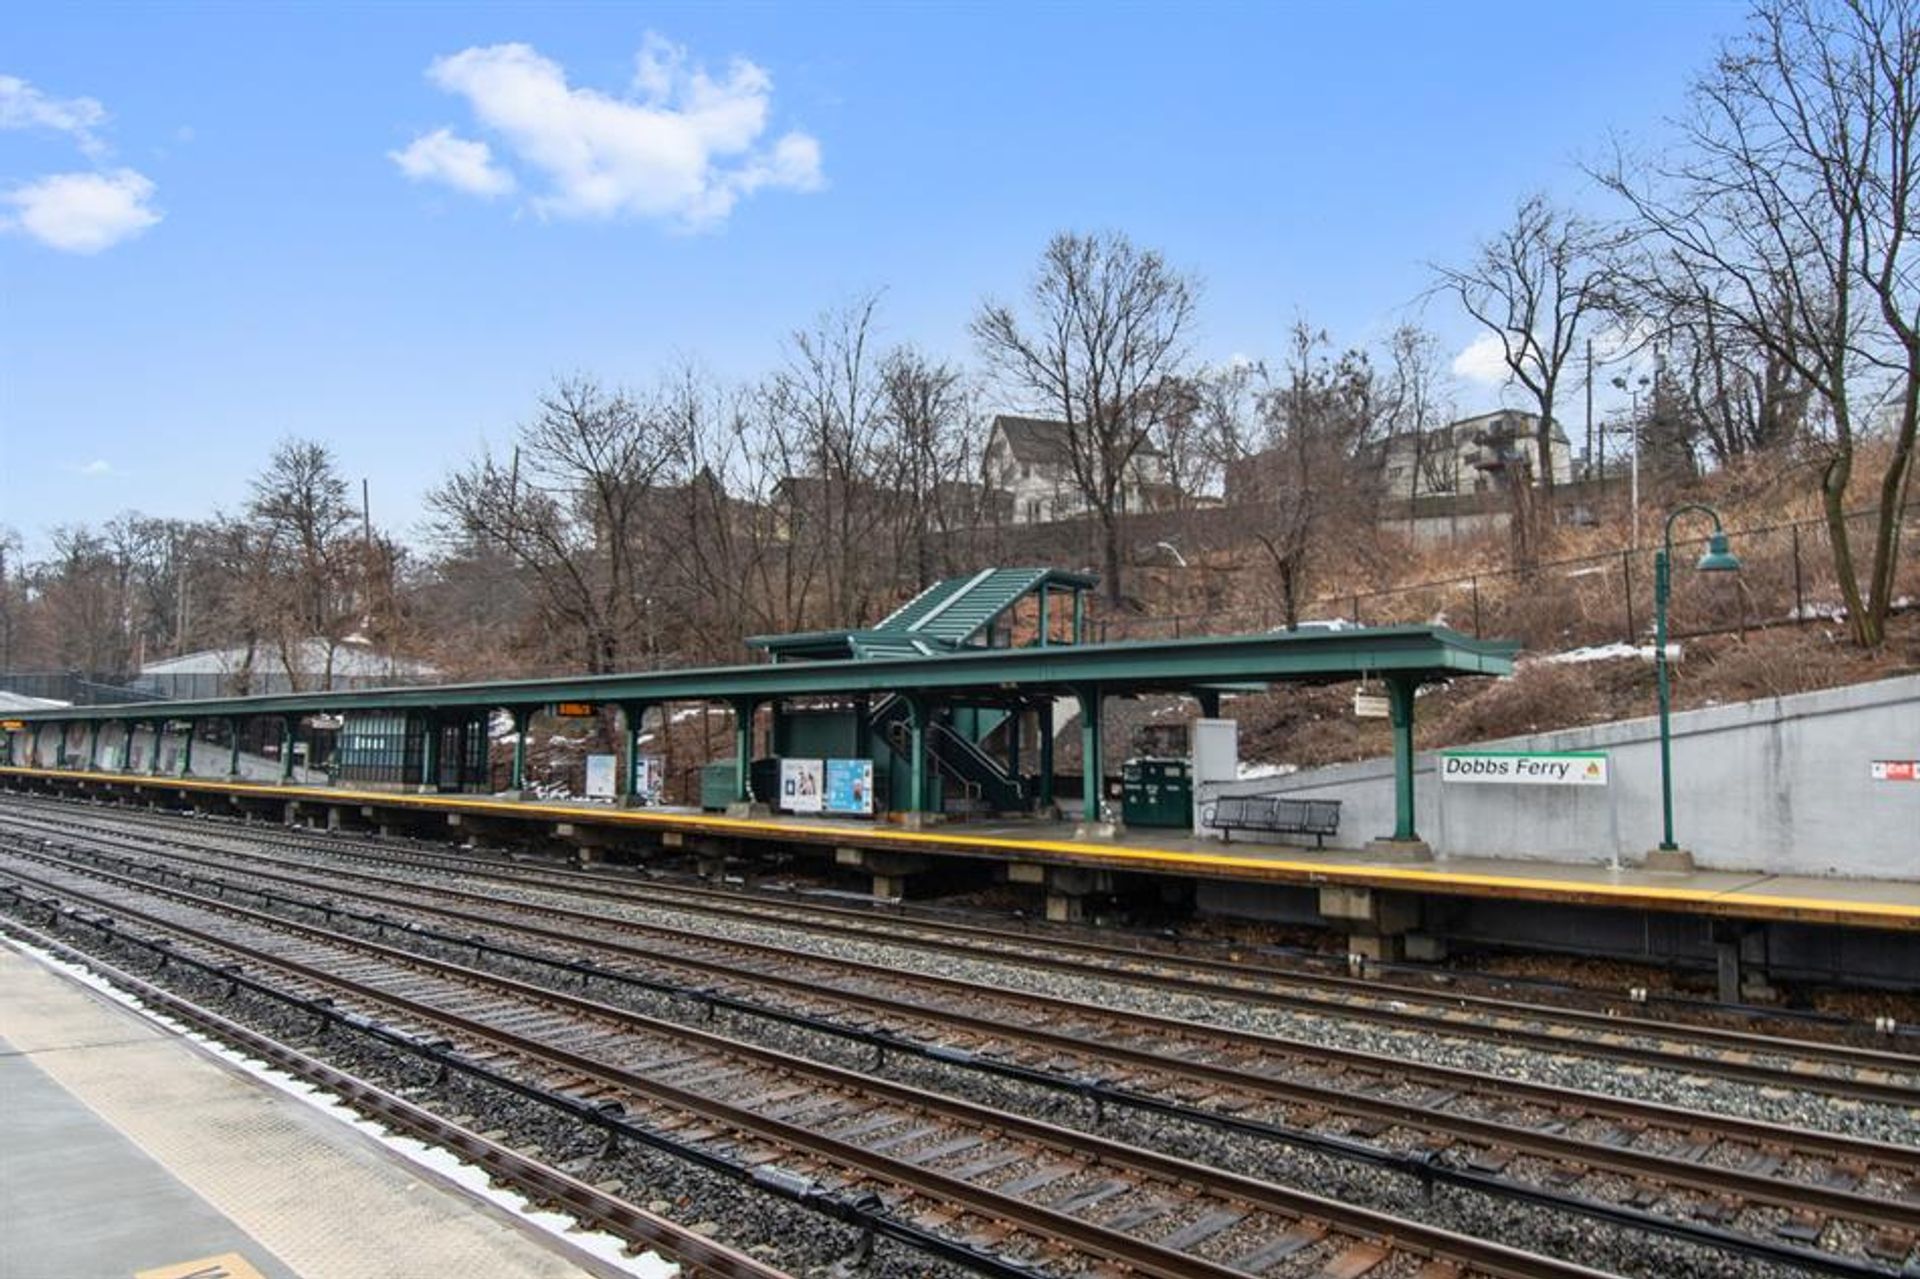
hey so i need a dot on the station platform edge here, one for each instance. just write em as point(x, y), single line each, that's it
point(1750, 895)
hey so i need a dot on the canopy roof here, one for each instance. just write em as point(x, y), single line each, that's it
point(1423, 653)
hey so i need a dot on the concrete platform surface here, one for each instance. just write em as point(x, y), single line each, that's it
point(1861, 903)
point(127, 1150)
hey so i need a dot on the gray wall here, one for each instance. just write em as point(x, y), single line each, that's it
point(1780, 785)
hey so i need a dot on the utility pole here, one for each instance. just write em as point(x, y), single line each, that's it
point(1590, 467)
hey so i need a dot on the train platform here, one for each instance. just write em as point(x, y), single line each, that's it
point(133, 1152)
point(1039, 852)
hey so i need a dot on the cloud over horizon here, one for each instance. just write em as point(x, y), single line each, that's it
point(82, 212)
point(681, 146)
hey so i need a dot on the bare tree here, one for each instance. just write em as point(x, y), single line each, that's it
point(1107, 323)
point(1313, 476)
point(1414, 408)
point(1786, 215)
point(566, 506)
point(833, 400)
point(927, 458)
point(306, 573)
point(1534, 286)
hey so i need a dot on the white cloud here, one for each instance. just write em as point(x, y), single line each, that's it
point(1483, 361)
point(24, 107)
point(462, 164)
point(683, 146)
point(81, 212)
point(99, 466)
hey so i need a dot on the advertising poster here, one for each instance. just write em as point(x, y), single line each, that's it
point(649, 777)
point(802, 783)
point(850, 786)
point(600, 776)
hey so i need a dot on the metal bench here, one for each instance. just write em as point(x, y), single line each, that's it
point(1274, 815)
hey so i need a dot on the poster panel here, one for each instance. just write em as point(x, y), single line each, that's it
point(850, 786)
point(802, 782)
point(600, 776)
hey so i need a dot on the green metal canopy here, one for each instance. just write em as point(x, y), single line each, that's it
point(1415, 653)
point(947, 615)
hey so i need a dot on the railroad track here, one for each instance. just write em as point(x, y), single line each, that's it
point(541, 1182)
point(1714, 1180)
point(1014, 1190)
point(1863, 1074)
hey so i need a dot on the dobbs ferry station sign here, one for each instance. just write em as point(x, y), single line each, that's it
point(1554, 768)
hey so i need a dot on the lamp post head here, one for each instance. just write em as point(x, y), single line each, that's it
point(1718, 559)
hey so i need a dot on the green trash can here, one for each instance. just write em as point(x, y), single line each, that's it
point(717, 786)
point(1157, 791)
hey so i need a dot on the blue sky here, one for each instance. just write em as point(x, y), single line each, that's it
point(224, 224)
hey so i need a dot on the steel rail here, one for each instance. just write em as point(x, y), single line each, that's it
point(539, 1181)
point(1392, 1232)
point(1678, 1173)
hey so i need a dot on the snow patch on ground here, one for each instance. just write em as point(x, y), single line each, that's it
point(1254, 772)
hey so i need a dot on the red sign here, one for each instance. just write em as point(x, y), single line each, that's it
point(1896, 770)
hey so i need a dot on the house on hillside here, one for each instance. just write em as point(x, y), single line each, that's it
point(1472, 455)
point(1029, 461)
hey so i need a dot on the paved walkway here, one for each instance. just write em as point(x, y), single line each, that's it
point(126, 1150)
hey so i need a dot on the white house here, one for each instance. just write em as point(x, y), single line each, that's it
point(1028, 460)
point(1471, 455)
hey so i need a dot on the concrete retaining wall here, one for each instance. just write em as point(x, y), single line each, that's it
point(1781, 785)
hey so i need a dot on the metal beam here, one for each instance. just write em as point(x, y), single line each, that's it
point(1424, 652)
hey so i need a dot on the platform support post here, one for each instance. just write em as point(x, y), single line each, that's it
point(126, 744)
point(60, 746)
point(429, 754)
point(522, 717)
point(743, 750)
point(159, 741)
point(1400, 690)
point(1045, 714)
point(1209, 699)
point(633, 717)
point(1044, 619)
point(286, 749)
point(93, 745)
point(186, 748)
point(917, 714)
point(233, 746)
point(1079, 617)
point(1015, 722)
point(1093, 769)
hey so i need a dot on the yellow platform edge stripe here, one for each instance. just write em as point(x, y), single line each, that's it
point(1741, 901)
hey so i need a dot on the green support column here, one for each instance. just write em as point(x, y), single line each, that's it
point(918, 713)
point(286, 748)
point(1013, 741)
point(1043, 615)
point(93, 746)
point(1045, 715)
point(1209, 699)
point(743, 750)
point(521, 717)
point(126, 744)
point(1079, 617)
point(634, 716)
point(186, 748)
point(1093, 768)
point(159, 741)
point(233, 746)
point(60, 746)
point(1400, 689)
point(429, 754)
